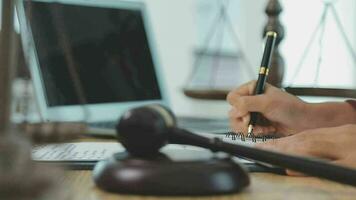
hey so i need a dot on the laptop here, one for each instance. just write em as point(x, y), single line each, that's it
point(91, 60)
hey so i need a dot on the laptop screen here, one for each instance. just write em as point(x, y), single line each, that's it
point(107, 48)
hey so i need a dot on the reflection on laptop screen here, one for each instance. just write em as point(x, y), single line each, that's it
point(109, 49)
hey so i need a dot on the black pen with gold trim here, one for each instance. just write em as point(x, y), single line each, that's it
point(271, 37)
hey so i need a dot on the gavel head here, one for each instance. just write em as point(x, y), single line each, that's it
point(143, 131)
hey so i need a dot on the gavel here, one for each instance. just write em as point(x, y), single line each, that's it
point(144, 130)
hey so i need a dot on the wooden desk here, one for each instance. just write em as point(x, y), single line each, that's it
point(263, 186)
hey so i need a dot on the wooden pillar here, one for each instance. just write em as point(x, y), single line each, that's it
point(7, 50)
point(273, 11)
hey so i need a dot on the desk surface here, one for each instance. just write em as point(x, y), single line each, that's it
point(263, 186)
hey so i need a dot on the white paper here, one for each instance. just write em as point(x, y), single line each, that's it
point(95, 151)
point(82, 151)
point(233, 140)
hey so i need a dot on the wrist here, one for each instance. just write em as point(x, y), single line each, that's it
point(329, 114)
point(310, 115)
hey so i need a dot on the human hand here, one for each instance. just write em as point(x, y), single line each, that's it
point(337, 144)
point(283, 113)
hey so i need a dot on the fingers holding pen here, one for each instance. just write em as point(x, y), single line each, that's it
point(243, 103)
point(247, 104)
point(239, 123)
point(246, 89)
point(237, 113)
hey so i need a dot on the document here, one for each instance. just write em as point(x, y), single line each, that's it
point(80, 151)
point(97, 151)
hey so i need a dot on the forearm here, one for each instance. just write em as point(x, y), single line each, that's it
point(330, 114)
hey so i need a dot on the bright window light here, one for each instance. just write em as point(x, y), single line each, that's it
point(337, 64)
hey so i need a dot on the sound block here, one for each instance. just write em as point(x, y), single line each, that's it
point(174, 172)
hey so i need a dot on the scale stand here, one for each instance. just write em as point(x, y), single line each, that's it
point(204, 81)
point(323, 92)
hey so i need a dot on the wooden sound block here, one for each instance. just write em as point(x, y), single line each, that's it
point(170, 175)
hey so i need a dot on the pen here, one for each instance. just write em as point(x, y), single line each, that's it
point(262, 76)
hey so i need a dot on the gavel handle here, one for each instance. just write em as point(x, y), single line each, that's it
point(310, 166)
